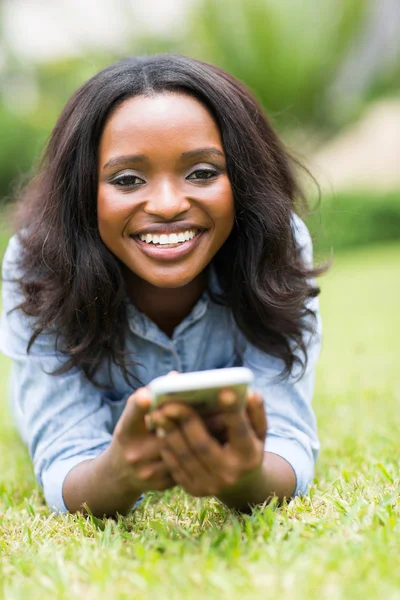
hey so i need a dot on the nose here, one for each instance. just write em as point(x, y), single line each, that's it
point(166, 201)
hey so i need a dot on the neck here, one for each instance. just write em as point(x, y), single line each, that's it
point(166, 307)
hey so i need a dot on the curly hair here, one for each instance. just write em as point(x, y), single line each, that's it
point(73, 285)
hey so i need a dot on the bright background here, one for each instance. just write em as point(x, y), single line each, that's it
point(328, 75)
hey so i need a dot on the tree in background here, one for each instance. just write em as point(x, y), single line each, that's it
point(290, 53)
point(287, 52)
point(372, 66)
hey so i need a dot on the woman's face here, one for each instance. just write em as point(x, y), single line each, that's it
point(165, 203)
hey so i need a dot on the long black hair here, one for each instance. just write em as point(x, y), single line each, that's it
point(74, 286)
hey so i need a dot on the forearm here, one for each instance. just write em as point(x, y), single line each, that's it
point(95, 483)
point(274, 478)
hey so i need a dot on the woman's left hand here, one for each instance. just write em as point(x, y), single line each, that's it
point(196, 460)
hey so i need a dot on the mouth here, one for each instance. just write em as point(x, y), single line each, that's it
point(169, 247)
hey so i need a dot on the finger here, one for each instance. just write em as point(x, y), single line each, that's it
point(166, 420)
point(240, 432)
point(149, 421)
point(215, 422)
point(174, 411)
point(164, 483)
point(156, 419)
point(194, 469)
point(156, 475)
point(173, 414)
point(178, 474)
point(153, 469)
point(256, 414)
point(228, 399)
point(150, 450)
point(217, 427)
point(132, 418)
point(205, 448)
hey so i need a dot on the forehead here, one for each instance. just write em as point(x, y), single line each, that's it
point(158, 120)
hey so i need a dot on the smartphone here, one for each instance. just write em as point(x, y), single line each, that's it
point(200, 389)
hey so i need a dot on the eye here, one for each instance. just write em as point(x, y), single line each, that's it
point(125, 181)
point(201, 174)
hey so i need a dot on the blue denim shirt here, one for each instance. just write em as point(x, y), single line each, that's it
point(64, 419)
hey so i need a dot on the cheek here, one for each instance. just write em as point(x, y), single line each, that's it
point(111, 212)
point(104, 208)
point(222, 207)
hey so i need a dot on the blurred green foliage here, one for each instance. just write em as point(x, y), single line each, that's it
point(355, 219)
point(286, 52)
point(25, 132)
point(19, 143)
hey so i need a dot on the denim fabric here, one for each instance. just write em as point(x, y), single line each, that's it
point(64, 419)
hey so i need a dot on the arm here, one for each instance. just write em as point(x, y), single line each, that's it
point(275, 477)
point(53, 414)
point(250, 468)
point(238, 471)
point(292, 429)
point(131, 464)
point(94, 483)
point(67, 424)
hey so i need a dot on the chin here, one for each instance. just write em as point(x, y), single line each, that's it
point(172, 283)
point(167, 279)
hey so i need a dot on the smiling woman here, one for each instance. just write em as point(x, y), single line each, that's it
point(164, 175)
point(159, 235)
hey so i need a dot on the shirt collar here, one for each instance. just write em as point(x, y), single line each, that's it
point(145, 327)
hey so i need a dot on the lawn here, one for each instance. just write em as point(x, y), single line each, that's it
point(341, 542)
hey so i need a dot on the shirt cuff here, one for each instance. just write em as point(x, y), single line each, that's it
point(299, 459)
point(53, 480)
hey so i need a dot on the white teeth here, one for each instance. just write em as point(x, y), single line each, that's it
point(164, 238)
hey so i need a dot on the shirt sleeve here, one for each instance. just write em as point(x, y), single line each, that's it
point(292, 429)
point(63, 419)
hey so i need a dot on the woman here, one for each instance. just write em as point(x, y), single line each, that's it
point(159, 235)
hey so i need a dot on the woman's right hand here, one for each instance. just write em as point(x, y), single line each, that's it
point(135, 452)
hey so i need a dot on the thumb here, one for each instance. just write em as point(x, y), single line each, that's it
point(133, 416)
point(256, 414)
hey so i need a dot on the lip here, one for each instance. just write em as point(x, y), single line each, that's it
point(174, 253)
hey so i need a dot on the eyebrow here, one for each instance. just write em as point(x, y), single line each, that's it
point(211, 151)
point(136, 158)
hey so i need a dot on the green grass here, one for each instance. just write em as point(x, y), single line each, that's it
point(341, 542)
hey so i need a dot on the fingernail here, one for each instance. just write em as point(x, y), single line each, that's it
point(160, 432)
point(227, 397)
point(143, 397)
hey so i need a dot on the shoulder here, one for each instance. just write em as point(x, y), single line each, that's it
point(303, 238)
point(12, 257)
point(16, 327)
